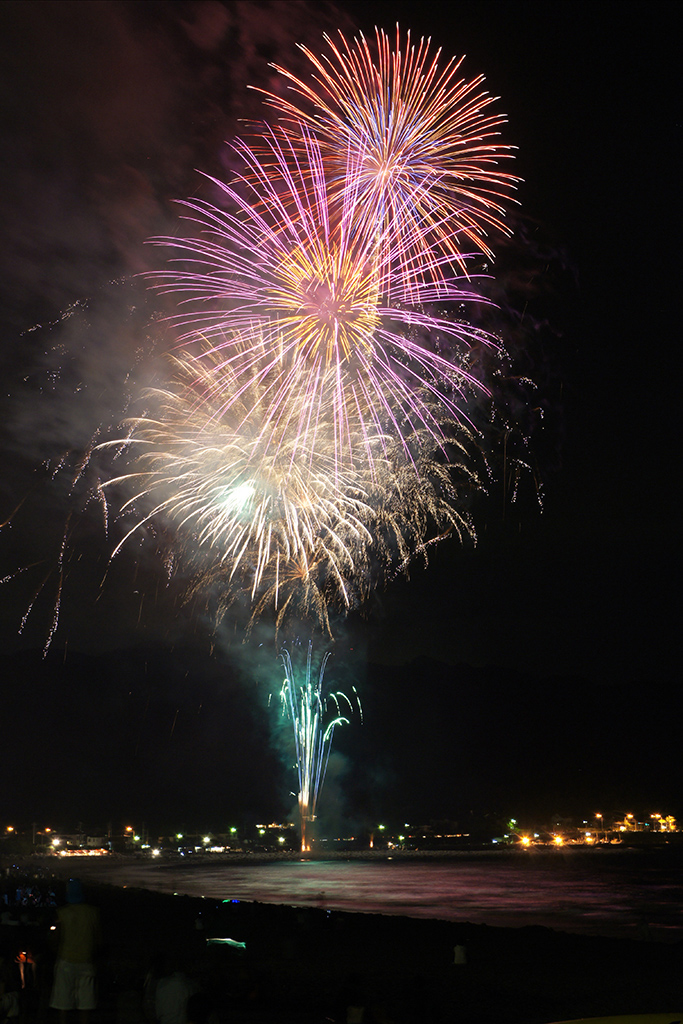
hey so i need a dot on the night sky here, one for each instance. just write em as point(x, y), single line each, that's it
point(536, 672)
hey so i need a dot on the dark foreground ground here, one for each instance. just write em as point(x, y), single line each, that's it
point(308, 966)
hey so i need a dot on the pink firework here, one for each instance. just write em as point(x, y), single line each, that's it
point(287, 284)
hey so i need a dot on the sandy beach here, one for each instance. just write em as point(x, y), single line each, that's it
point(308, 965)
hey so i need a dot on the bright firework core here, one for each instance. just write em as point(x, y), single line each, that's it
point(235, 499)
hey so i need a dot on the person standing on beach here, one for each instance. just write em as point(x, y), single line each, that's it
point(79, 936)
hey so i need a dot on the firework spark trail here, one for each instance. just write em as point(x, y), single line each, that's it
point(56, 604)
point(304, 701)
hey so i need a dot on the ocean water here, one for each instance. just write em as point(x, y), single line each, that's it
point(626, 894)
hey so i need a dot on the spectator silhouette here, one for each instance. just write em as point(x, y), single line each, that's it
point(79, 936)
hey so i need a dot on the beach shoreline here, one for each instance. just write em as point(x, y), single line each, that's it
point(629, 894)
point(297, 963)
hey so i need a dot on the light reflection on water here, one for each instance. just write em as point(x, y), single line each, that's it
point(631, 896)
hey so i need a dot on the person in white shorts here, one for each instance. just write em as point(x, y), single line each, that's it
point(78, 929)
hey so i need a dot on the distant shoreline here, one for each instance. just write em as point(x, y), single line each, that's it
point(179, 861)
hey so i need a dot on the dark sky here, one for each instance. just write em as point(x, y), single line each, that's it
point(563, 624)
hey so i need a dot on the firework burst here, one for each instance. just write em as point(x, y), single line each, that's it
point(259, 515)
point(423, 139)
point(287, 292)
point(318, 429)
point(251, 499)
